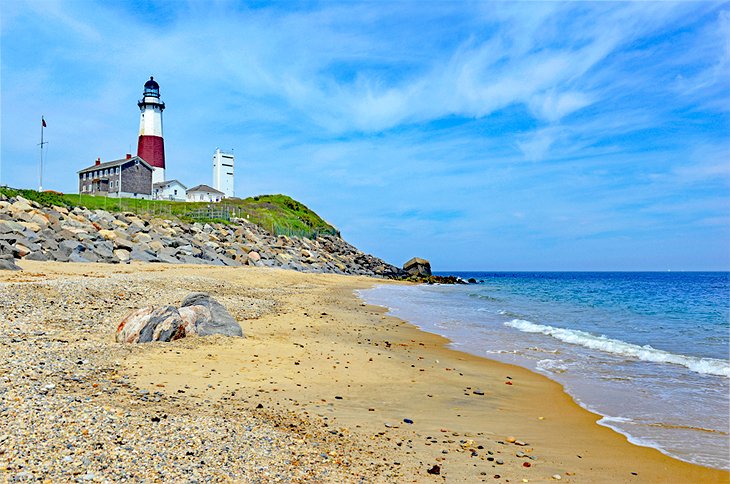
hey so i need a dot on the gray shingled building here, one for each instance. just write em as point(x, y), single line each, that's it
point(128, 177)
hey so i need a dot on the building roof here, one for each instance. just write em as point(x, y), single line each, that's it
point(204, 188)
point(151, 84)
point(111, 164)
point(160, 184)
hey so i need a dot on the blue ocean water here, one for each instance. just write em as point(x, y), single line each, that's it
point(648, 351)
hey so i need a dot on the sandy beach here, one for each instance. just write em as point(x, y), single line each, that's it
point(323, 388)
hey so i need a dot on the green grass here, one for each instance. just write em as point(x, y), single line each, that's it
point(279, 214)
point(46, 199)
point(283, 214)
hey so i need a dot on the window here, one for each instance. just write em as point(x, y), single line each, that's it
point(175, 192)
point(201, 196)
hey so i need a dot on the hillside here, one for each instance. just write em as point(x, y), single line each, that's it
point(277, 214)
point(46, 229)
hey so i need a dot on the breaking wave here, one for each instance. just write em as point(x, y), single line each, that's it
point(707, 366)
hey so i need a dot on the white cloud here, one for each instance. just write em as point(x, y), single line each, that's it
point(536, 146)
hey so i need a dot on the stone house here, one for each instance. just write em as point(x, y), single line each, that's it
point(170, 190)
point(130, 177)
point(204, 193)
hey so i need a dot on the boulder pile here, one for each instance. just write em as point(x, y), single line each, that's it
point(30, 231)
point(199, 314)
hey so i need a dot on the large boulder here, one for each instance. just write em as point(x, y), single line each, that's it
point(211, 316)
point(151, 324)
point(418, 267)
point(200, 314)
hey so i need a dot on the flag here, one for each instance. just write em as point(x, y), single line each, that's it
point(43, 122)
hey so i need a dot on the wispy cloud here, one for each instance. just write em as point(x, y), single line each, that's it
point(413, 118)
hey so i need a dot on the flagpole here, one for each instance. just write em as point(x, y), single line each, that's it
point(40, 184)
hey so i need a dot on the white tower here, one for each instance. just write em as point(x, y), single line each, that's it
point(223, 172)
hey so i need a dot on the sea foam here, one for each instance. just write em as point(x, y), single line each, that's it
point(707, 366)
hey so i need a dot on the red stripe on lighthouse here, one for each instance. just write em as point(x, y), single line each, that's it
point(152, 150)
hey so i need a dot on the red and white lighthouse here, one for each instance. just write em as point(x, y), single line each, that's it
point(151, 145)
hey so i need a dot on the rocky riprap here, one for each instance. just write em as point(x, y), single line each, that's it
point(30, 231)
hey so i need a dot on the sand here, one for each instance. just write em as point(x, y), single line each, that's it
point(333, 371)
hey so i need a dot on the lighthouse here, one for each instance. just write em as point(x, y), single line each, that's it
point(151, 145)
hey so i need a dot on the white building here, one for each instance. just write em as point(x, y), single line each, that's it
point(169, 190)
point(223, 172)
point(204, 193)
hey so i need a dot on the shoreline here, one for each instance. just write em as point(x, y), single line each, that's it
point(697, 436)
point(343, 372)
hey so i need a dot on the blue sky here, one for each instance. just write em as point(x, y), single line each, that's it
point(485, 136)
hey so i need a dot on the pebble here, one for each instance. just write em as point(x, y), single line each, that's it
point(408, 421)
point(80, 432)
point(557, 477)
point(511, 439)
point(499, 461)
point(479, 392)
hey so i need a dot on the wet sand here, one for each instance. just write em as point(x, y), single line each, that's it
point(323, 365)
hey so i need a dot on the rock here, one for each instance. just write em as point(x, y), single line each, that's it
point(478, 392)
point(151, 324)
point(143, 255)
point(108, 234)
point(254, 256)
point(471, 280)
point(418, 267)
point(408, 421)
point(69, 246)
point(7, 263)
point(20, 251)
point(435, 470)
point(156, 246)
point(122, 255)
point(216, 320)
point(10, 226)
point(510, 439)
point(39, 256)
point(141, 238)
point(123, 243)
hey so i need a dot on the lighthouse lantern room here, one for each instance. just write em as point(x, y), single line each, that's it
point(151, 145)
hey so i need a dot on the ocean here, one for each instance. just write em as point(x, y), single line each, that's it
point(650, 352)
